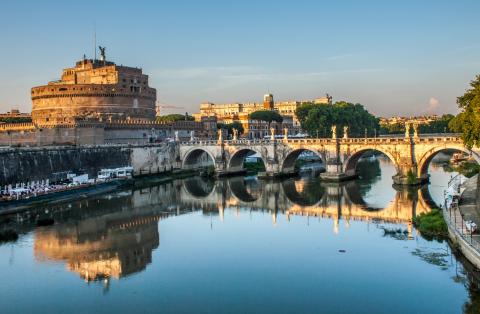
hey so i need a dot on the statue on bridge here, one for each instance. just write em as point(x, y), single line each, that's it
point(285, 134)
point(334, 131)
point(220, 136)
point(192, 136)
point(415, 130)
point(235, 134)
point(272, 132)
point(176, 136)
point(407, 129)
point(345, 132)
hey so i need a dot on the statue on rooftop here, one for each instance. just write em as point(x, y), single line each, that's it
point(102, 53)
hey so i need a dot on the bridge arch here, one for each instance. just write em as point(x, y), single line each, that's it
point(238, 187)
point(288, 163)
point(237, 158)
point(303, 198)
point(351, 162)
point(427, 157)
point(193, 158)
point(199, 188)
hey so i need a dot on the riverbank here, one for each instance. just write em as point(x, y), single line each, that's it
point(468, 209)
point(7, 208)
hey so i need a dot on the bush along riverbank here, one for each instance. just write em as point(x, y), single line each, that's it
point(431, 225)
point(254, 167)
point(467, 168)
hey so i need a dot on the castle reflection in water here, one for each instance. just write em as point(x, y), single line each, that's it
point(112, 236)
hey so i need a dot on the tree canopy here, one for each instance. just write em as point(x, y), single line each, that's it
point(266, 115)
point(174, 117)
point(468, 120)
point(15, 119)
point(230, 126)
point(318, 119)
point(438, 126)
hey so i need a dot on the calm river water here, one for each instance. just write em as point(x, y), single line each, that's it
point(237, 246)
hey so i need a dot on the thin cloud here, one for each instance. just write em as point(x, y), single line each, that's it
point(433, 105)
point(339, 57)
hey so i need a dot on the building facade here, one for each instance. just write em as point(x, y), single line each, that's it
point(98, 102)
point(240, 112)
point(94, 89)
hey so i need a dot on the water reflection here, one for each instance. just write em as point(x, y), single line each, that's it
point(118, 234)
point(113, 236)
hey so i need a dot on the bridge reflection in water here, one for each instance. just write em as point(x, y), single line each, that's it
point(114, 235)
point(303, 198)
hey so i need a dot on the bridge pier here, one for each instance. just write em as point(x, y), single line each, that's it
point(410, 179)
point(334, 172)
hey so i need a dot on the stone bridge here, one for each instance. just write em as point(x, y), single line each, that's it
point(411, 154)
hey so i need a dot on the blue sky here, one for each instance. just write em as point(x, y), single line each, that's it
point(395, 57)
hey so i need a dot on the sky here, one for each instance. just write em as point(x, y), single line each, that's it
point(398, 57)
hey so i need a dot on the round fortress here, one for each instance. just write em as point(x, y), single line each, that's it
point(97, 90)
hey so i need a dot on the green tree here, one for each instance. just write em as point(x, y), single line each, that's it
point(174, 118)
point(395, 128)
point(468, 120)
point(230, 126)
point(15, 119)
point(267, 116)
point(319, 119)
point(437, 126)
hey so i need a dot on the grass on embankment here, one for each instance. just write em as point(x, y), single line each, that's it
point(432, 224)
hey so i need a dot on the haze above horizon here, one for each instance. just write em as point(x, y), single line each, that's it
point(395, 58)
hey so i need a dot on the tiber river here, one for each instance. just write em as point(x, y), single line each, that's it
point(238, 245)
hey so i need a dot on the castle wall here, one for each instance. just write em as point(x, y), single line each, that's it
point(41, 136)
point(59, 108)
point(27, 164)
point(21, 165)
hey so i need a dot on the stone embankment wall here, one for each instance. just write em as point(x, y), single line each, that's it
point(21, 165)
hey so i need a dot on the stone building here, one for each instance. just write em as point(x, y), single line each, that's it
point(228, 113)
point(95, 89)
point(15, 114)
point(98, 102)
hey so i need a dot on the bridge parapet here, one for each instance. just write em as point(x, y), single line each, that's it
point(410, 155)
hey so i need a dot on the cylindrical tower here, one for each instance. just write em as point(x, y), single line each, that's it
point(94, 89)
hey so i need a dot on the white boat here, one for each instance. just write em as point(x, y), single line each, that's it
point(121, 173)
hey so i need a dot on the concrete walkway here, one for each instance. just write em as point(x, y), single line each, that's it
point(469, 200)
point(468, 209)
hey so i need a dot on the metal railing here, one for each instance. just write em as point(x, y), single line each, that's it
point(454, 219)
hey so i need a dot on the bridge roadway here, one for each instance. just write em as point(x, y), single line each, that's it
point(410, 154)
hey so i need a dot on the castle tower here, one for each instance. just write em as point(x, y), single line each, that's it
point(268, 102)
point(93, 89)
